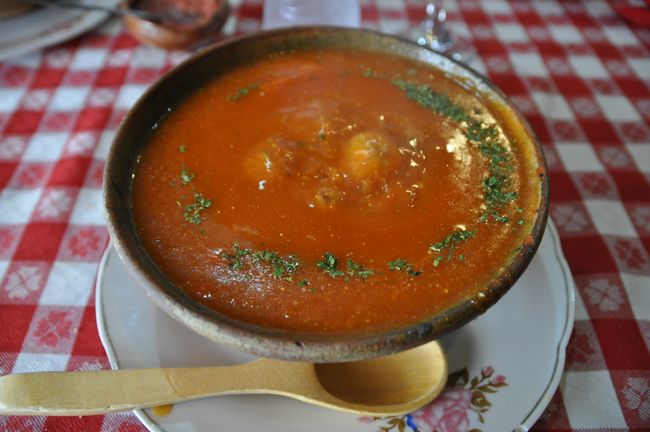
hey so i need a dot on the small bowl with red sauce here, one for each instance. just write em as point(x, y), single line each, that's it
point(178, 24)
point(325, 194)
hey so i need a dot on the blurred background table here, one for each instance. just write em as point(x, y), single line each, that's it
point(577, 70)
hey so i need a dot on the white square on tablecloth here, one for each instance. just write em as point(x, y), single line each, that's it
point(17, 205)
point(45, 146)
point(638, 294)
point(450, 5)
point(610, 217)
point(250, 25)
point(105, 140)
point(579, 157)
point(511, 33)
point(590, 400)
point(118, 58)
point(641, 67)
point(89, 59)
point(146, 56)
point(69, 284)
point(547, 8)
point(230, 26)
point(528, 64)
point(9, 98)
point(641, 155)
point(620, 35)
point(566, 34)
point(598, 9)
point(500, 7)
point(580, 312)
point(129, 93)
point(460, 30)
point(478, 65)
point(3, 269)
point(40, 362)
point(88, 209)
point(30, 61)
point(397, 5)
point(391, 26)
point(587, 66)
point(69, 98)
point(553, 106)
point(618, 108)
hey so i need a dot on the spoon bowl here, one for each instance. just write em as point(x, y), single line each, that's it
point(384, 386)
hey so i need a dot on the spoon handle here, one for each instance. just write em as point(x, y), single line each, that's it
point(101, 392)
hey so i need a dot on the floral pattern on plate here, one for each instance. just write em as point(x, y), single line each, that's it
point(450, 412)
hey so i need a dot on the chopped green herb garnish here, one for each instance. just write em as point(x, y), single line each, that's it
point(235, 256)
point(303, 283)
point(496, 186)
point(329, 265)
point(243, 92)
point(186, 176)
point(402, 265)
point(193, 211)
point(436, 102)
point(452, 240)
point(181, 148)
point(283, 268)
point(444, 249)
point(520, 222)
point(369, 73)
point(497, 191)
point(358, 270)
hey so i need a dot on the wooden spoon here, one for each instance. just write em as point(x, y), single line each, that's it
point(384, 386)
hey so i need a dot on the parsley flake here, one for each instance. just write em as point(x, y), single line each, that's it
point(329, 265)
point(243, 92)
point(283, 268)
point(444, 249)
point(402, 265)
point(186, 176)
point(193, 211)
point(357, 270)
point(235, 256)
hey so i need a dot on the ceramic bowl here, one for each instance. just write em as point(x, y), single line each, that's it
point(171, 90)
point(190, 25)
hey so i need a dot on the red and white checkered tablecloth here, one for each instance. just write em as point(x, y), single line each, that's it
point(578, 72)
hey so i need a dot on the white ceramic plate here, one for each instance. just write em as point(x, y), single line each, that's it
point(509, 360)
point(46, 26)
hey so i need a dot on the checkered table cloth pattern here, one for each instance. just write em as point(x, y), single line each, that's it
point(578, 72)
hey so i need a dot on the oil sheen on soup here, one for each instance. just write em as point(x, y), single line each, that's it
point(332, 192)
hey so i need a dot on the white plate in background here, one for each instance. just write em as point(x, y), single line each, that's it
point(46, 26)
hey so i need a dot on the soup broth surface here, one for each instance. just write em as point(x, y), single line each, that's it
point(332, 192)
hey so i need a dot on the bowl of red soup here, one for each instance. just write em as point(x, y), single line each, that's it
point(325, 194)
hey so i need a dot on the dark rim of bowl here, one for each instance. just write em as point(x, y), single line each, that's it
point(161, 97)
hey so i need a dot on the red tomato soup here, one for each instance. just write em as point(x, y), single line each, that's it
point(332, 192)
